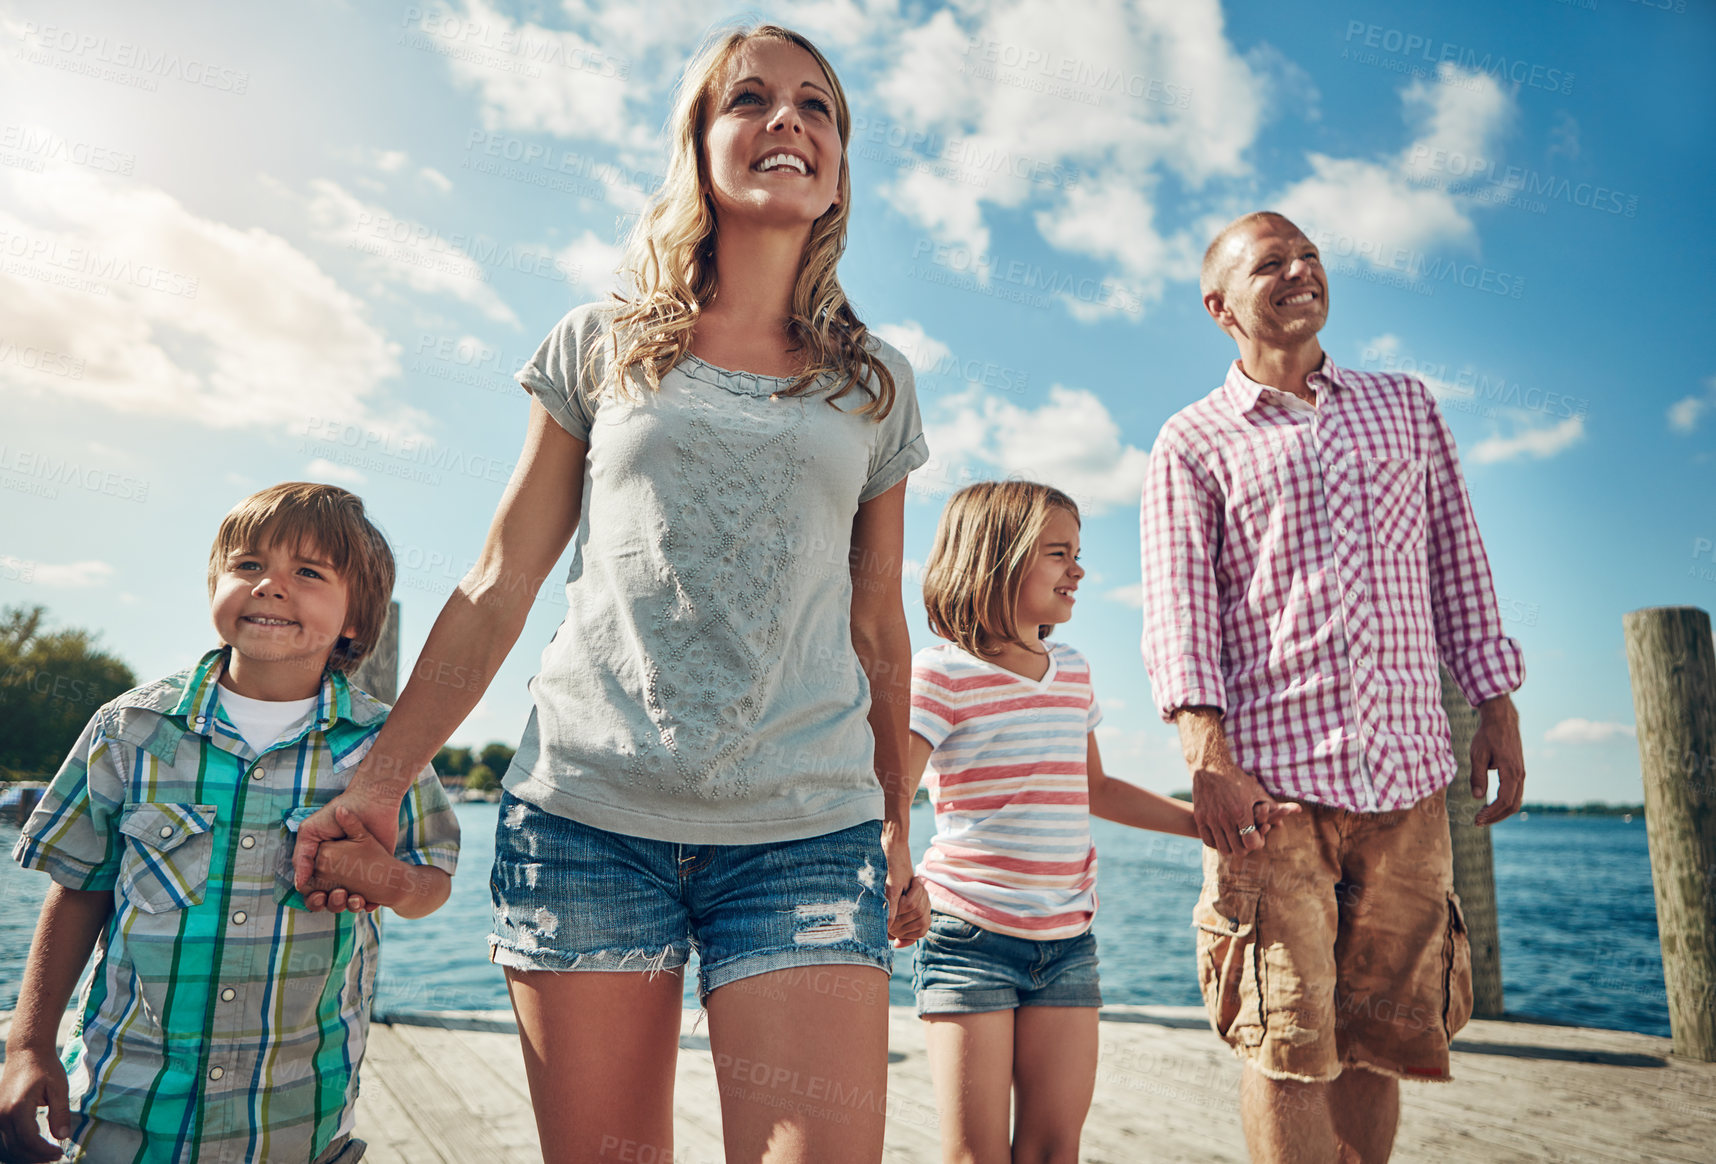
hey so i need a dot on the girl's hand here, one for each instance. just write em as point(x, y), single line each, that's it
point(33, 1079)
point(899, 851)
point(913, 920)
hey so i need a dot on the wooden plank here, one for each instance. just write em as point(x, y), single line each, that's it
point(453, 1089)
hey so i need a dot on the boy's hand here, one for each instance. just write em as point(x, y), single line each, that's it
point(912, 919)
point(358, 867)
point(32, 1079)
point(377, 814)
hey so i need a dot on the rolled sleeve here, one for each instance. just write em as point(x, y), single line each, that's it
point(898, 446)
point(428, 828)
point(1485, 662)
point(1180, 534)
point(566, 369)
point(72, 834)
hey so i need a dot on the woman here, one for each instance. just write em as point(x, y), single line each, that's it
point(719, 715)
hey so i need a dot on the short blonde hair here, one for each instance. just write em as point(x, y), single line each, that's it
point(983, 545)
point(1217, 267)
point(294, 513)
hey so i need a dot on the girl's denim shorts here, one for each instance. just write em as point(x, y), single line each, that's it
point(965, 969)
point(567, 896)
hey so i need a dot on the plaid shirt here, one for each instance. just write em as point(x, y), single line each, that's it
point(222, 1021)
point(1304, 568)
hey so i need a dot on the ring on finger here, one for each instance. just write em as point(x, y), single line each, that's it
point(1251, 828)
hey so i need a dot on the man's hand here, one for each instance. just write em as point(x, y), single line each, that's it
point(1232, 811)
point(1497, 746)
point(33, 1079)
point(1225, 800)
point(379, 814)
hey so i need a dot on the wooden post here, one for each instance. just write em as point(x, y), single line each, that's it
point(1673, 665)
point(1474, 860)
point(378, 674)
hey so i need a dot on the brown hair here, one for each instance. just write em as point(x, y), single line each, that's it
point(670, 257)
point(983, 545)
point(333, 520)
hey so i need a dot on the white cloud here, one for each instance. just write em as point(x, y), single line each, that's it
point(1075, 112)
point(1685, 413)
point(594, 263)
point(166, 313)
point(1130, 595)
point(435, 178)
point(1388, 212)
point(78, 574)
point(535, 79)
point(1529, 440)
point(1585, 731)
point(923, 351)
point(393, 250)
point(1071, 442)
point(390, 161)
point(322, 469)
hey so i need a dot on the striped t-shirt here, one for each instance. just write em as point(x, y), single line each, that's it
point(1012, 849)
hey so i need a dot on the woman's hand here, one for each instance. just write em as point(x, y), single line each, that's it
point(899, 850)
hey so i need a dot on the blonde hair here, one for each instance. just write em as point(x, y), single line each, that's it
point(1217, 265)
point(670, 256)
point(983, 545)
point(296, 513)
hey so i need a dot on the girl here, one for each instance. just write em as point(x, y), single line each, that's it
point(1006, 977)
point(730, 446)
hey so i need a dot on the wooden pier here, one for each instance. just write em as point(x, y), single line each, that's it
point(449, 1086)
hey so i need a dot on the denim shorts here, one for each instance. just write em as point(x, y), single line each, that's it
point(965, 969)
point(567, 896)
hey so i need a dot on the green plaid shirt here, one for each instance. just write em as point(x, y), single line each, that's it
point(222, 1022)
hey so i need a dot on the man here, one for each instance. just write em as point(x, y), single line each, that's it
point(1309, 553)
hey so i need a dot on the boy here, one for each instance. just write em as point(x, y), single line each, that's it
point(223, 1021)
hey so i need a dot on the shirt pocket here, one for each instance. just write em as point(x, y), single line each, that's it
point(285, 889)
point(168, 848)
point(1396, 487)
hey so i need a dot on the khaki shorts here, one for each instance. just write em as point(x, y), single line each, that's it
point(1339, 943)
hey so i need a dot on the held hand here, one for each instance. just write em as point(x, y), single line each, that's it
point(357, 865)
point(1232, 811)
point(378, 815)
point(899, 851)
point(1497, 745)
point(913, 920)
point(32, 1080)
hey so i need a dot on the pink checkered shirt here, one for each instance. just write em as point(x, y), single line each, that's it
point(1303, 570)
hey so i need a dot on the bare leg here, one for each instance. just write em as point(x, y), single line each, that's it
point(971, 1063)
point(1054, 1073)
point(801, 1057)
point(599, 1051)
point(1286, 1122)
point(1365, 1107)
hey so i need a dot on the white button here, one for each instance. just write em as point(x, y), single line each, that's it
point(239, 917)
point(165, 831)
point(256, 773)
point(248, 843)
point(202, 719)
point(228, 994)
point(216, 1072)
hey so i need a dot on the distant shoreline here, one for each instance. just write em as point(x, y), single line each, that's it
point(1589, 808)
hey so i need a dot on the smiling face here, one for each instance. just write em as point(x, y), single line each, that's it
point(772, 147)
point(1273, 290)
point(1046, 588)
point(281, 609)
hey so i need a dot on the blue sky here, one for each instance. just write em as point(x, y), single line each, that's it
point(242, 246)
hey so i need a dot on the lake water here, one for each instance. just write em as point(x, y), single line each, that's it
point(1578, 923)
